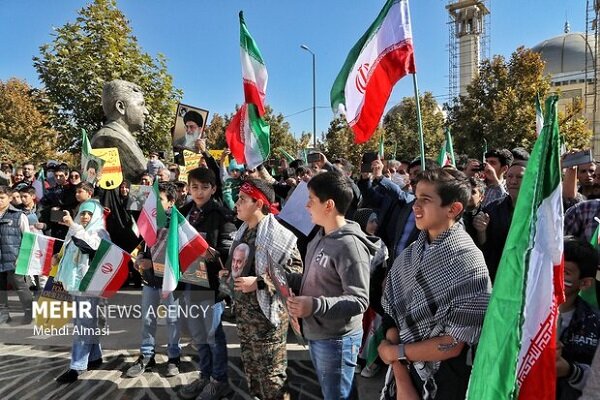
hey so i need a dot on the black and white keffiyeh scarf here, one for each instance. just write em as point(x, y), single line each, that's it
point(274, 242)
point(438, 289)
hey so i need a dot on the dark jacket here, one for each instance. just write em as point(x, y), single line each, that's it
point(62, 197)
point(10, 239)
point(580, 341)
point(215, 223)
point(392, 223)
point(500, 212)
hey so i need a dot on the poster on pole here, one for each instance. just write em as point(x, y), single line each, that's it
point(112, 175)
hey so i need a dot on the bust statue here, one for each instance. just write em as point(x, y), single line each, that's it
point(125, 111)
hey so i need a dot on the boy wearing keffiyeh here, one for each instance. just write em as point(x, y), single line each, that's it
point(435, 296)
point(262, 320)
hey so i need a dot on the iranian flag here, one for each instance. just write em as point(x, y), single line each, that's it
point(39, 186)
point(539, 116)
point(446, 156)
point(88, 160)
point(107, 272)
point(516, 356)
point(152, 217)
point(248, 134)
point(184, 246)
point(35, 254)
point(382, 56)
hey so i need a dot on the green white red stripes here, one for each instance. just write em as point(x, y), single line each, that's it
point(382, 56)
point(152, 216)
point(184, 246)
point(35, 255)
point(446, 156)
point(248, 135)
point(254, 71)
point(107, 272)
point(519, 333)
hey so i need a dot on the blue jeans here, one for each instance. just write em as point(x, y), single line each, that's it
point(209, 336)
point(86, 344)
point(335, 361)
point(150, 301)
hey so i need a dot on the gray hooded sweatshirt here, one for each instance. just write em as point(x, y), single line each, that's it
point(337, 276)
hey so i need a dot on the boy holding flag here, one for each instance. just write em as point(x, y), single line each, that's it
point(13, 223)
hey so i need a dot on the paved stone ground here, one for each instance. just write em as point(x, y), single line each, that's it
point(29, 364)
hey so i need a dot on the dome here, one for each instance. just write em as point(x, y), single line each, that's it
point(566, 54)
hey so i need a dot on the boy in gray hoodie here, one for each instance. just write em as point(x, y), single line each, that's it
point(333, 291)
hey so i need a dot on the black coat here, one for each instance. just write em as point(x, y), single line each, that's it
point(215, 223)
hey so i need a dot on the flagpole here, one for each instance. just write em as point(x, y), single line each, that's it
point(485, 149)
point(419, 122)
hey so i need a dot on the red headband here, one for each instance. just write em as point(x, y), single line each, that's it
point(256, 194)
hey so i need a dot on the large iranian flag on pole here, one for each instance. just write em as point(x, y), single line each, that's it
point(382, 56)
point(184, 245)
point(516, 356)
point(152, 217)
point(248, 135)
point(107, 272)
point(35, 254)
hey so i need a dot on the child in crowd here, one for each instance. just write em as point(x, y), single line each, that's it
point(333, 292)
point(13, 223)
point(369, 365)
point(262, 319)
point(82, 240)
point(215, 224)
point(231, 186)
point(579, 323)
point(151, 300)
point(436, 295)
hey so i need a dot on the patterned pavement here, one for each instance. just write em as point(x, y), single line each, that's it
point(29, 363)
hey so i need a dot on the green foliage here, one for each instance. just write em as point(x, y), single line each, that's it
point(339, 142)
point(215, 131)
point(25, 132)
point(500, 104)
point(400, 124)
point(99, 47)
point(281, 136)
point(574, 126)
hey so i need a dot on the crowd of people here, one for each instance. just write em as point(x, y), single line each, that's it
point(412, 252)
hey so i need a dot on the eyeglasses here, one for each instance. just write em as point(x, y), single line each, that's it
point(74, 177)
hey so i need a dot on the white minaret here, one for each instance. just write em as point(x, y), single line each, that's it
point(468, 23)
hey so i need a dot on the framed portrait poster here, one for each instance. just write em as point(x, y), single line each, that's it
point(190, 123)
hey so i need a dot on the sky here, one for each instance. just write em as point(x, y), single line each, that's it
point(200, 39)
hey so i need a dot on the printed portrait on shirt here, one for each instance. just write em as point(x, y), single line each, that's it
point(240, 259)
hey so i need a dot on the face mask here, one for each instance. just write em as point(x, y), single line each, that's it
point(398, 179)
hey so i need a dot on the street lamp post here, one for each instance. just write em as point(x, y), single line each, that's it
point(314, 77)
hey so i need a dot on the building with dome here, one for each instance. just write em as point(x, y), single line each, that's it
point(570, 60)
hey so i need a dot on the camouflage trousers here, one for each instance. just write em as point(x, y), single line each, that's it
point(263, 349)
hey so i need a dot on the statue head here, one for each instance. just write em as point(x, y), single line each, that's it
point(123, 102)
